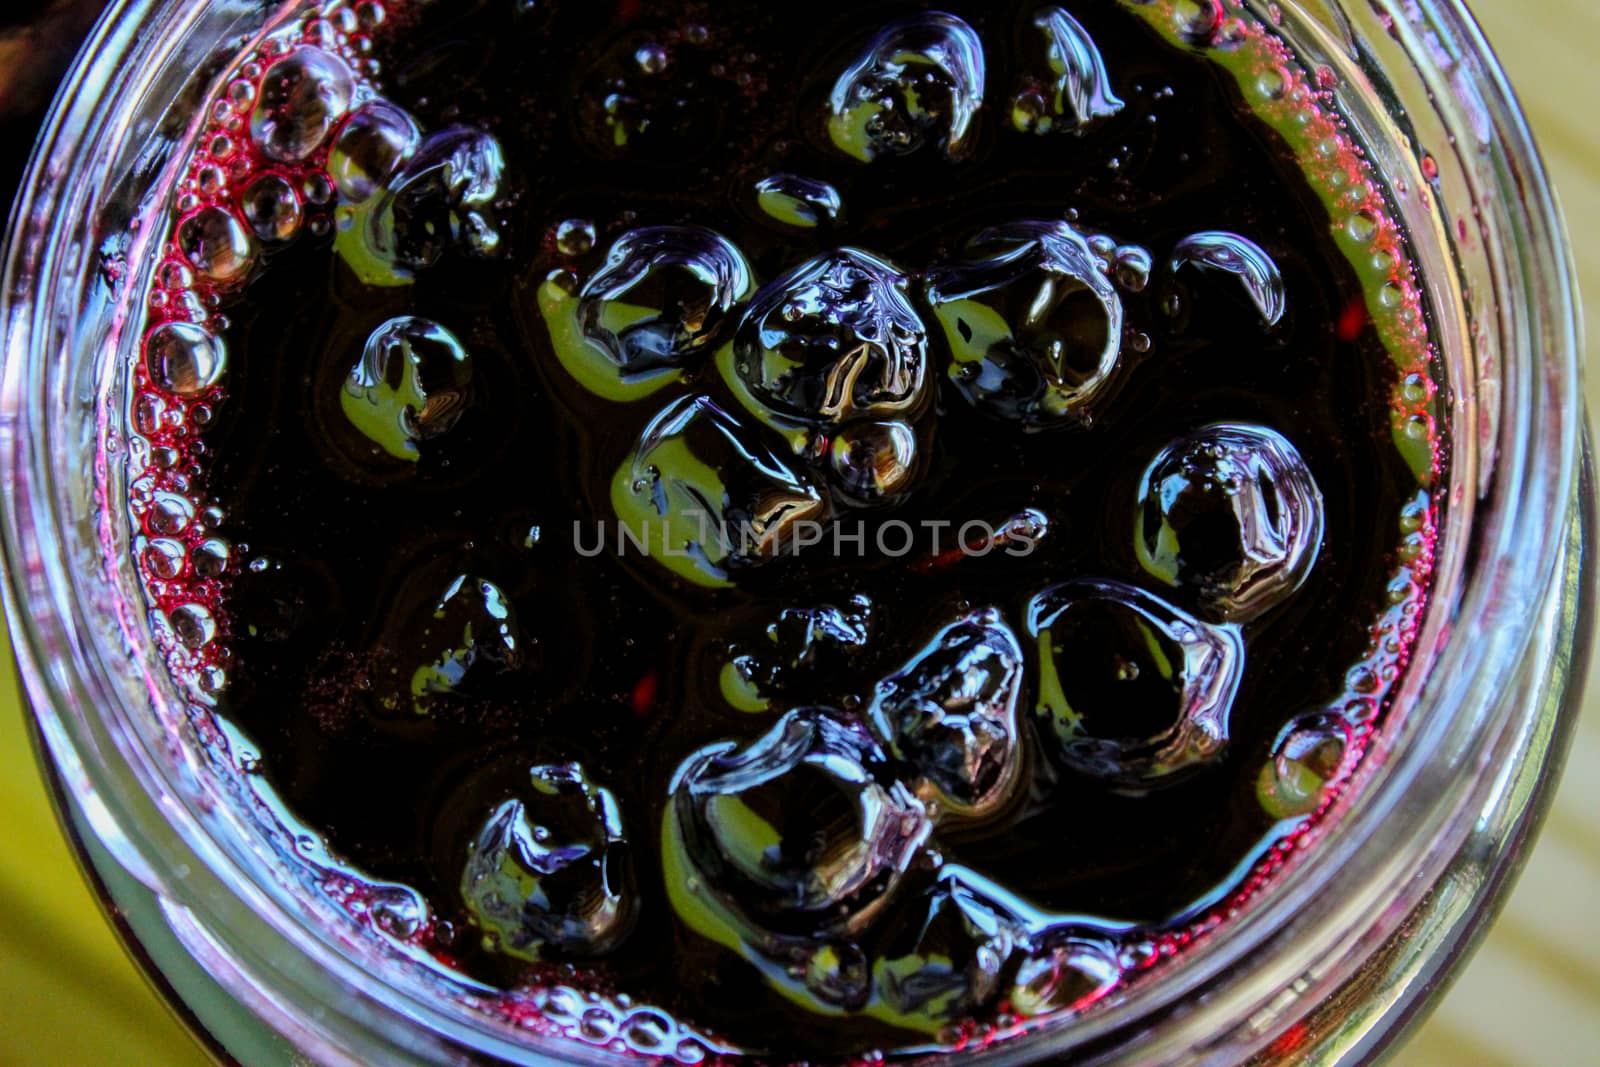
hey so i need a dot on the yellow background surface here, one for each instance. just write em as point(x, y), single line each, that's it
point(1530, 998)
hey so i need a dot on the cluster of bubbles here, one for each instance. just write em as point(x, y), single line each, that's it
point(839, 355)
point(789, 847)
point(794, 843)
point(616, 1024)
point(295, 141)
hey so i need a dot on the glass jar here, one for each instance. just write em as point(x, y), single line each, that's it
point(1345, 951)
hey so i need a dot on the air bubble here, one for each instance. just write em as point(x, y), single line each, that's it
point(302, 96)
point(170, 514)
point(1306, 757)
point(1416, 388)
point(210, 558)
point(835, 339)
point(209, 179)
point(1272, 83)
point(951, 713)
point(1240, 257)
point(651, 58)
point(183, 359)
point(411, 383)
point(665, 295)
point(575, 237)
point(921, 79)
point(317, 189)
point(216, 244)
point(792, 832)
point(708, 494)
point(194, 625)
point(550, 868)
point(1132, 265)
point(272, 208)
point(163, 558)
point(1033, 309)
point(804, 203)
point(370, 148)
point(1231, 514)
point(1197, 20)
point(1134, 730)
point(1362, 226)
point(874, 463)
point(174, 275)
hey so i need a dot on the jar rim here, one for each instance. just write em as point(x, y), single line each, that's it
point(71, 674)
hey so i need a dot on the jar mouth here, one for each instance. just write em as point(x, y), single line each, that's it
point(85, 659)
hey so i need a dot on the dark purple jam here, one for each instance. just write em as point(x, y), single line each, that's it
point(853, 527)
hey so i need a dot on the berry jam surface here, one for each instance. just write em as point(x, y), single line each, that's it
point(793, 530)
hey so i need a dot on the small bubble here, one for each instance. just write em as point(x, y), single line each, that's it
point(209, 179)
point(194, 625)
point(1416, 388)
point(1273, 83)
point(210, 558)
point(183, 359)
point(1361, 226)
point(575, 237)
point(652, 58)
point(213, 680)
point(174, 275)
point(216, 244)
point(163, 558)
point(170, 514)
point(1132, 266)
point(271, 208)
point(1197, 20)
point(1104, 248)
point(1391, 295)
point(318, 189)
point(370, 148)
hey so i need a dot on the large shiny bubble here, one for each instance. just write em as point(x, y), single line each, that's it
point(835, 339)
point(1132, 691)
point(705, 497)
point(1230, 255)
point(951, 712)
point(412, 382)
point(442, 195)
point(920, 80)
point(664, 295)
point(371, 146)
point(1230, 513)
point(1033, 323)
point(183, 359)
point(549, 869)
point(303, 95)
point(795, 833)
